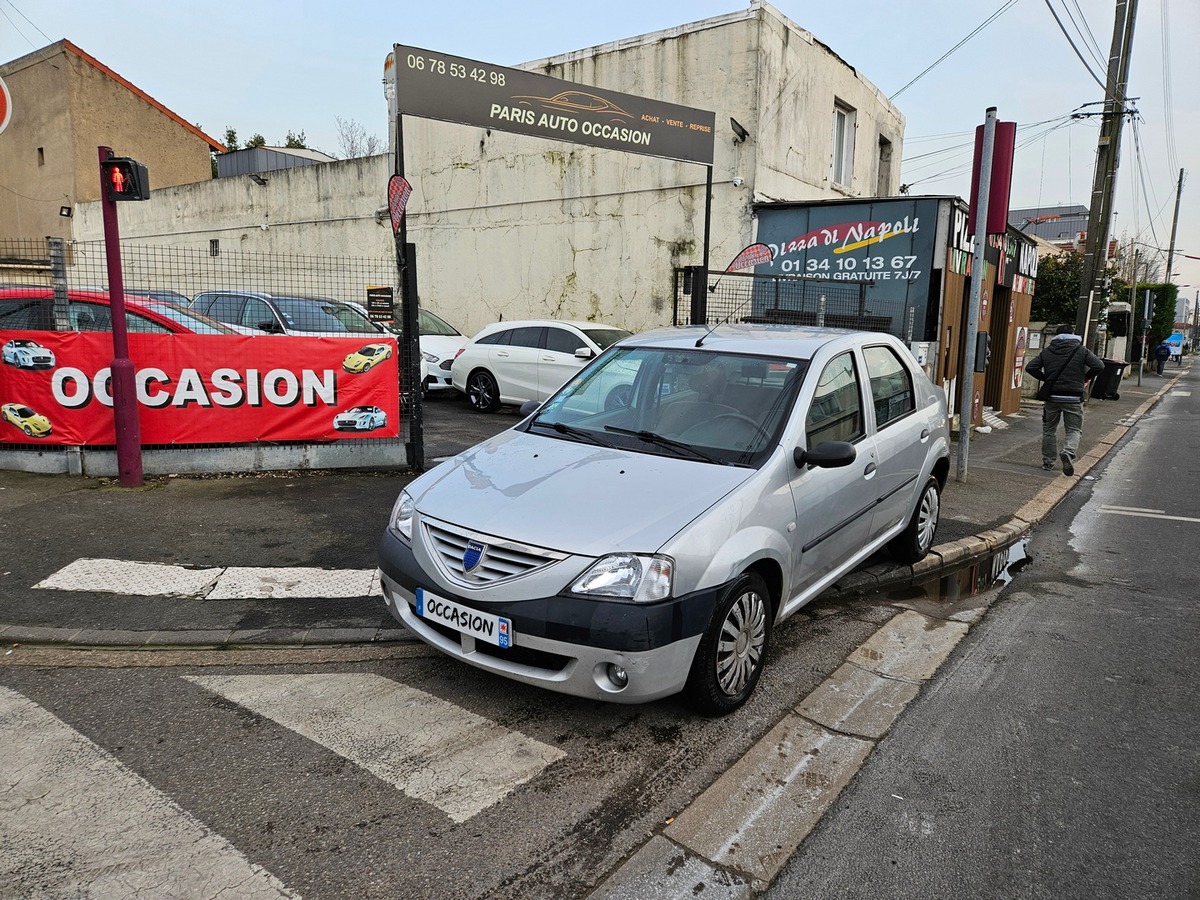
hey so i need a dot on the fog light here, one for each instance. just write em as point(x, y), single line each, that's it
point(617, 675)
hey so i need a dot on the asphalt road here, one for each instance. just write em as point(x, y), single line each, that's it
point(1057, 753)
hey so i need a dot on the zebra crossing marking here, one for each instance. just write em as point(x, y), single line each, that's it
point(425, 747)
point(143, 579)
point(77, 822)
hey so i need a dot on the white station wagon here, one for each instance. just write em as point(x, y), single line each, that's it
point(630, 551)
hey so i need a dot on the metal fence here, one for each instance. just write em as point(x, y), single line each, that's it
point(785, 300)
point(253, 292)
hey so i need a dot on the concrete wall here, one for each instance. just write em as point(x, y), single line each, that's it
point(508, 226)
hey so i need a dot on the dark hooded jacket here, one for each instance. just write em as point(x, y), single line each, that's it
point(1067, 365)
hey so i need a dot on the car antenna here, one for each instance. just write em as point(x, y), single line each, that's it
point(754, 255)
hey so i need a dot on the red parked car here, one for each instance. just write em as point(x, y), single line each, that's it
point(32, 309)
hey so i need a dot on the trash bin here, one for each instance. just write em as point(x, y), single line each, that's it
point(1108, 383)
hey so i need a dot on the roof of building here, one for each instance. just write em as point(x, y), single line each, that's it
point(68, 47)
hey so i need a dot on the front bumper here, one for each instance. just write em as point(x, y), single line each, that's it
point(562, 643)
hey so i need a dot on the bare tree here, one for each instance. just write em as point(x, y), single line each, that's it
point(353, 140)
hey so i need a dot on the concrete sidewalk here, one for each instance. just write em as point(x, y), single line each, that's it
point(323, 521)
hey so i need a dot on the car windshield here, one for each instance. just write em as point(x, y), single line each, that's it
point(713, 406)
point(304, 314)
point(185, 317)
point(431, 324)
point(605, 337)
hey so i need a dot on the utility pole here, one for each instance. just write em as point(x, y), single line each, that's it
point(1174, 228)
point(1108, 151)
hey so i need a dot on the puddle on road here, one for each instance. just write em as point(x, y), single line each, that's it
point(963, 595)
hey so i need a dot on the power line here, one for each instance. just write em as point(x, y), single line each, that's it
point(1071, 41)
point(30, 21)
point(942, 58)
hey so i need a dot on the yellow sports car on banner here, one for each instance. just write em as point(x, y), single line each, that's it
point(26, 419)
point(362, 360)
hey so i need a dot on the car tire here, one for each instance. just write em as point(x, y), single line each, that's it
point(733, 650)
point(913, 543)
point(482, 391)
point(28, 431)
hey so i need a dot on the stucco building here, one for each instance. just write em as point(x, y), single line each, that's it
point(65, 104)
point(507, 225)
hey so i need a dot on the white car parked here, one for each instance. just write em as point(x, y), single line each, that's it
point(511, 362)
point(628, 551)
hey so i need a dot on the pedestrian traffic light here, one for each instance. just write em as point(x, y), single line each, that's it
point(125, 179)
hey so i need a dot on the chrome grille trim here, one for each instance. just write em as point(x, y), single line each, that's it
point(503, 560)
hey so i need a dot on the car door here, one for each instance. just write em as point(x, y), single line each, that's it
point(557, 362)
point(515, 363)
point(834, 506)
point(902, 434)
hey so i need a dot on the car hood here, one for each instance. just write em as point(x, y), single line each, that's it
point(571, 497)
point(441, 345)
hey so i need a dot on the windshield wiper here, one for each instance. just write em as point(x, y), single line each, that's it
point(580, 433)
point(651, 438)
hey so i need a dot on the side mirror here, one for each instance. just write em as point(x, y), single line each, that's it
point(529, 407)
point(826, 455)
point(584, 353)
point(270, 327)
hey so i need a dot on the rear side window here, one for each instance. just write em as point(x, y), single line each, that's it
point(891, 385)
point(498, 337)
point(836, 411)
point(528, 336)
point(223, 308)
point(25, 314)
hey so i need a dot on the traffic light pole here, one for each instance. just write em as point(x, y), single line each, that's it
point(124, 388)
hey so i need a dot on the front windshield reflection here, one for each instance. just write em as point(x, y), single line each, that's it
point(729, 407)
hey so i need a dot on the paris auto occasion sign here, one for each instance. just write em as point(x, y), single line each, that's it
point(453, 89)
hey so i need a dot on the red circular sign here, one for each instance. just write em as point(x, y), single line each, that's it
point(5, 105)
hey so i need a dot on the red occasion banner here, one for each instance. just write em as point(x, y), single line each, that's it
point(55, 388)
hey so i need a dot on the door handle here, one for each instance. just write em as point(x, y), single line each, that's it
point(924, 433)
point(870, 469)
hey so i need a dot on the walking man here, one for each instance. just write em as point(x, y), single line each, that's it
point(1065, 367)
point(1161, 354)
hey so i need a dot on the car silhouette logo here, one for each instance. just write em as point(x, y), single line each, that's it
point(473, 556)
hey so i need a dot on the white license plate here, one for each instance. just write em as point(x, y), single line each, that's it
point(492, 629)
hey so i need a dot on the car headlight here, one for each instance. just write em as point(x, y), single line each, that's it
point(627, 576)
point(429, 357)
point(402, 515)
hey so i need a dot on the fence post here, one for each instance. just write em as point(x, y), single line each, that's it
point(58, 282)
point(699, 312)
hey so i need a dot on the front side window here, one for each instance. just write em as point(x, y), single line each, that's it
point(836, 410)
point(843, 144)
point(562, 341)
point(891, 385)
point(258, 314)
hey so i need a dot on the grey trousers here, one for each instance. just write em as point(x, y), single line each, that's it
point(1072, 419)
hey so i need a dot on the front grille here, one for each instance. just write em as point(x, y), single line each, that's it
point(502, 560)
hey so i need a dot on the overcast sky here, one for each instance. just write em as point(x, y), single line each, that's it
point(273, 67)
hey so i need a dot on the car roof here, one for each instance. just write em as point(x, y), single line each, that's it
point(538, 323)
point(763, 340)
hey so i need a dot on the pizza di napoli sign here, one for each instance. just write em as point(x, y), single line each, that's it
point(453, 89)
